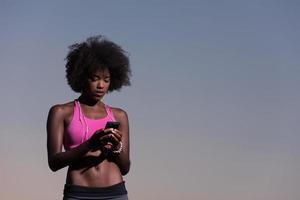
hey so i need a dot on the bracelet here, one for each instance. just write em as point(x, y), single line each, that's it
point(120, 148)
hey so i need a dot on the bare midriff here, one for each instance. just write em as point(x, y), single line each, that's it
point(104, 174)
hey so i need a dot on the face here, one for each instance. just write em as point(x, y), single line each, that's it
point(98, 84)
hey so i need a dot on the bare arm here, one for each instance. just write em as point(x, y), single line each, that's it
point(55, 131)
point(123, 159)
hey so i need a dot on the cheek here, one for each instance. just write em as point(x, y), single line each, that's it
point(92, 86)
point(107, 85)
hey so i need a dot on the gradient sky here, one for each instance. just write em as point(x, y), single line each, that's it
point(214, 103)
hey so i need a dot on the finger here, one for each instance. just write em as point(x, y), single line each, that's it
point(108, 130)
point(106, 148)
point(113, 139)
point(117, 133)
point(98, 131)
point(104, 139)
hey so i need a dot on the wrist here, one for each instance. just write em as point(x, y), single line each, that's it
point(87, 145)
point(118, 149)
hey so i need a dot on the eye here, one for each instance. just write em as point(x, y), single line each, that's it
point(107, 80)
point(94, 78)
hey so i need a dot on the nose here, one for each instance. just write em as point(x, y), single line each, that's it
point(100, 84)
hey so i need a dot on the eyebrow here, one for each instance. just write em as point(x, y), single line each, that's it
point(107, 76)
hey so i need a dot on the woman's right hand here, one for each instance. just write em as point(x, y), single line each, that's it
point(104, 139)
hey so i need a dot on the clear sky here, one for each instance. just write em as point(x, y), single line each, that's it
point(214, 103)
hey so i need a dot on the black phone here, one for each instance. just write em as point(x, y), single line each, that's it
point(114, 125)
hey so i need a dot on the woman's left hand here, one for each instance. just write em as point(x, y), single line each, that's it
point(113, 139)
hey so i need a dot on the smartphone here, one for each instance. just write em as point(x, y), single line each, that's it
point(114, 125)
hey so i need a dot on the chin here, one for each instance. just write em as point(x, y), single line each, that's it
point(97, 98)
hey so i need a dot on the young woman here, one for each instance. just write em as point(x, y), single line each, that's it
point(97, 156)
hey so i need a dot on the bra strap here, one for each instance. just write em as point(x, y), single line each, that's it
point(110, 113)
point(82, 120)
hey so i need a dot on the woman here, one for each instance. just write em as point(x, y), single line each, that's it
point(97, 156)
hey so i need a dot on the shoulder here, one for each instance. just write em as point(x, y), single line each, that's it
point(119, 113)
point(62, 109)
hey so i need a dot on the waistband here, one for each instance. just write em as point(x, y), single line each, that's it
point(84, 191)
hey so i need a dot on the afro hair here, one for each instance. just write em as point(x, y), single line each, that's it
point(97, 53)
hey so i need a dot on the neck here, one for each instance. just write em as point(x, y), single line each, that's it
point(88, 101)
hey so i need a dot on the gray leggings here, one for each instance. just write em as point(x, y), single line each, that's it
point(114, 192)
point(119, 197)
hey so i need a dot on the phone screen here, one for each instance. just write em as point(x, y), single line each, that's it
point(114, 125)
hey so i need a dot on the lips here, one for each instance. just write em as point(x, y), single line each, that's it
point(100, 93)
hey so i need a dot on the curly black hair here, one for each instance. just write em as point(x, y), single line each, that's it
point(97, 52)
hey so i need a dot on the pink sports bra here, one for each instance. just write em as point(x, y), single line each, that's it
point(81, 128)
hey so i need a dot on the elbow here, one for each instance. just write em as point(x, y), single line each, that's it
point(52, 165)
point(125, 169)
point(53, 168)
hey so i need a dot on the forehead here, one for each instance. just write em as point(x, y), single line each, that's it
point(101, 72)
